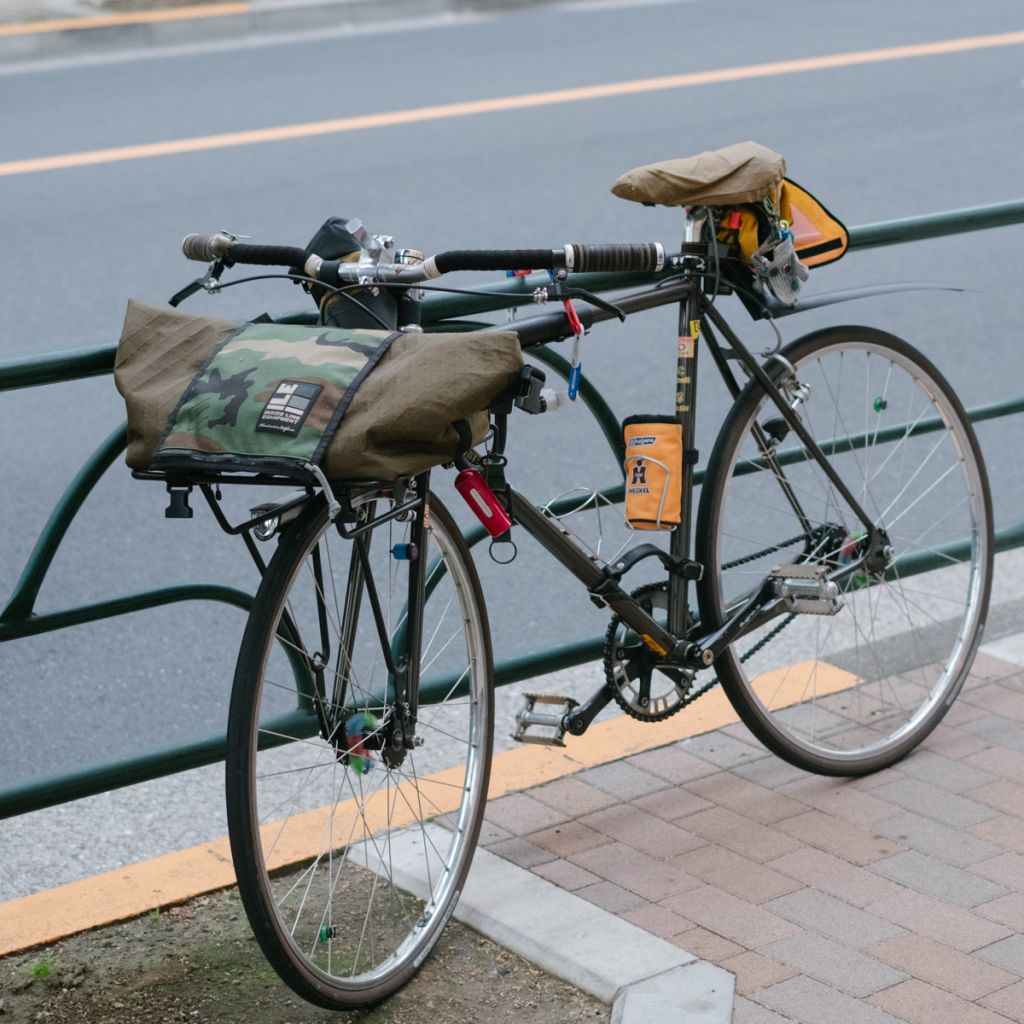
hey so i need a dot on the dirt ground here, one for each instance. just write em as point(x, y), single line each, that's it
point(198, 963)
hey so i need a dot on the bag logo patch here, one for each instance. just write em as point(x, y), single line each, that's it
point(287, 408)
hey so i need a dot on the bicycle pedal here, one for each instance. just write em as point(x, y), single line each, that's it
point(528, 718)
point(806, 589)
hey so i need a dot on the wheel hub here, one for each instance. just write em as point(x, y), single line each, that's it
point(362, 738)
point(879, 554)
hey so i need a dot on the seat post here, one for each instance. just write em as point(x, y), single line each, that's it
point(693, 222)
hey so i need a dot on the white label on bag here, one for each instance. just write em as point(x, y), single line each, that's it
point(287, 408)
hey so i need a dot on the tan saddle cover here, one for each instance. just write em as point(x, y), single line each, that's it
point(743, 173)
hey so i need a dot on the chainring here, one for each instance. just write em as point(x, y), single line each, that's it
point(640, 686)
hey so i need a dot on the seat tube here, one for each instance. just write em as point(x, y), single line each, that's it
point(690, 311)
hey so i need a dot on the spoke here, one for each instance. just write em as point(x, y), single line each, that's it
point(308, 768)
point(317, 743)
point(268, 855)
point(760, 467)
point(432, 781)
point(829, 494)
point(846, 430)
point(444, 648)
point(366, 921)
point(934, 595)
point(913, 476)
point(929, 655)
point(305, 895)
point(923, 495)
point(782, 682)
point(900, 448)
point(418, 811)
point(440, 622)
point(334, 584)
point(291, 689)
point(300, 879)
point(332, 880)
point(321, 596)
point(949, 511)
point(444, 732)
point(901, 591)
point(924, 549)
point(852, 605)
point(882, 405)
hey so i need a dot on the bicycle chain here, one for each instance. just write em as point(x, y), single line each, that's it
point(782, 545)
point(772, 633)
point(763, 642)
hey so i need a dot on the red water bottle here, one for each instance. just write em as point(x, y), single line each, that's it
point(470, 483)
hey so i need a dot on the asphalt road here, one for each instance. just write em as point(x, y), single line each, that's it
point(891, 138)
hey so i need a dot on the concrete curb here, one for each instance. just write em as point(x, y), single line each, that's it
point(263, 17)
point(644, 978)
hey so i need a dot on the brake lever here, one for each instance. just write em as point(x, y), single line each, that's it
point(208, 282)
point(594, 300)
point(190, 289)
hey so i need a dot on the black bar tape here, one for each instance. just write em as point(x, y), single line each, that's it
point(625, 256)
point(499, 259)
point(267, 255)
point(327, 273)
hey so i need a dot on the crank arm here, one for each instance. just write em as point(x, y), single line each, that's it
point(761, 606)
point(579, 718)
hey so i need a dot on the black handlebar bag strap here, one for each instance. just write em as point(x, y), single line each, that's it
point(275, 398)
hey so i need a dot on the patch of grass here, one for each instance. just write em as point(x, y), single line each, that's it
point(41, 969)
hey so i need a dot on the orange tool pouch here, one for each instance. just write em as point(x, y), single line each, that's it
point(654, 471)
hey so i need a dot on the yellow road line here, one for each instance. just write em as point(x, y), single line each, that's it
point(29, 28)
point(54, 914)
point(527, 101)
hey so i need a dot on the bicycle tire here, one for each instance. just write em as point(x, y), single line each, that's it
point(348, 865)
point(851, 692)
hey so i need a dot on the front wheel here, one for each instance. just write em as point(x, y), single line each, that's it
point(351, 837)
point(848, 678)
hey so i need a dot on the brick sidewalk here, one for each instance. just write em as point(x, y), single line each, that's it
point(896, 897)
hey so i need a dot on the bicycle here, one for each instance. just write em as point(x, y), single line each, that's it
point(361, 716)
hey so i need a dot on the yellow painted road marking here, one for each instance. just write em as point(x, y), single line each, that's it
point(341, 125)
point(28, 28)
point(45, 917)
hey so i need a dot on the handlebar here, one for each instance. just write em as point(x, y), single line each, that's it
point(205, 248)
point(637, 257)
point(642, 256)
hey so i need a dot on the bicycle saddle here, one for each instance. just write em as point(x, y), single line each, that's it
point(743, 173)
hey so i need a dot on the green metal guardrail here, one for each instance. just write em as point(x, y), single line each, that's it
point(19, 619)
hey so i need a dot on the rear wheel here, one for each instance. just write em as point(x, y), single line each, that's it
point(351, 845)
point(849, 684)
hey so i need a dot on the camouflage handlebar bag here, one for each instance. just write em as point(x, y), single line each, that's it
point(215, 395)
